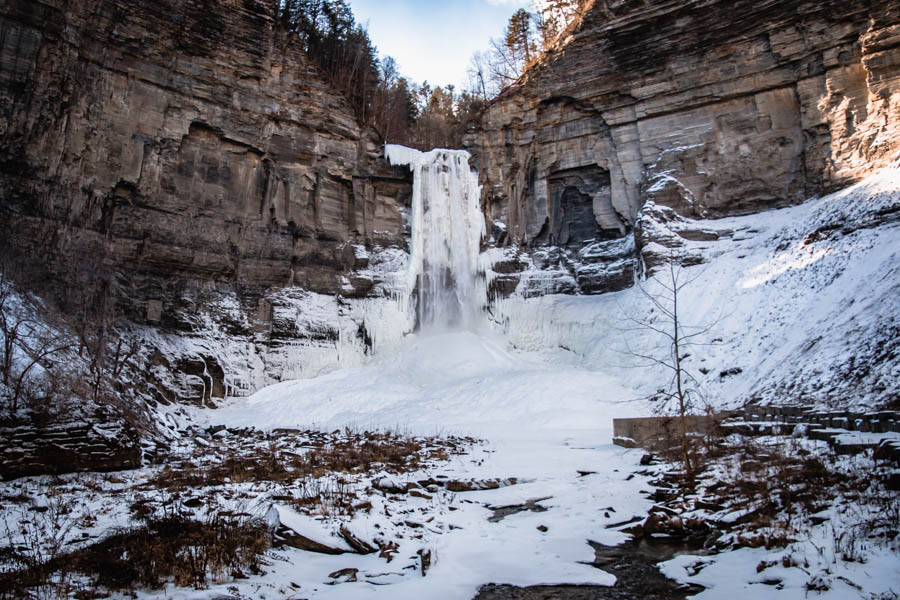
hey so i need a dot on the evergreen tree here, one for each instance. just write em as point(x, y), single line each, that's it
point(519, 37)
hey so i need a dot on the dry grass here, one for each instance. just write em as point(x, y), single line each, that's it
point(304, 455)
point(317, 472)
point(770, 491)
point(185, 551)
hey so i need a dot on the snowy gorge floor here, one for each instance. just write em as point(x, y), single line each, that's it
point(798, 299)
point(802, 303)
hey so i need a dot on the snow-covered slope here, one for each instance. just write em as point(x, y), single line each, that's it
point(799, 305)
point(459, 383)
point(803, 301)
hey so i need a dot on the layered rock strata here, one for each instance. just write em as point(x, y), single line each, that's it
point(183, 143)
point(707, 107)
point(185, 158)
point(98, 439)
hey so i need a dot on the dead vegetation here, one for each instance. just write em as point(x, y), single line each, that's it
point(288, 457)
point(772, 492)
point(185, 551)
point(197, 521)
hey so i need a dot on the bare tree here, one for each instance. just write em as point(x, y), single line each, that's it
point(553, 17)
point(682, 393)
point(478, 73)
point(26, 343)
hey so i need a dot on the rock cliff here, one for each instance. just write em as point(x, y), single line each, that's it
point(184, 142)
point(708, 107)
point(185, 159)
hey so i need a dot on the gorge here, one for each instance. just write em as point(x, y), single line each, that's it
point(223, 263)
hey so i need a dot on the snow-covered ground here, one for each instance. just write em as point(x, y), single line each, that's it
point(801, 305)
point(803, 300)
point(452, 383)
point(544, 424)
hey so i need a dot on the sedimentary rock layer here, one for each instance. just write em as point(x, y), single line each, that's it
point(180, 144)
point(710, 107)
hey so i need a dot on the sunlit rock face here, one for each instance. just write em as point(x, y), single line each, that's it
point(709, 107)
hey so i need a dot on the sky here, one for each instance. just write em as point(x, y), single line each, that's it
point(433, 39)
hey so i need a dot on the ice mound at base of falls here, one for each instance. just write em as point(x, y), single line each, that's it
point(457, 383)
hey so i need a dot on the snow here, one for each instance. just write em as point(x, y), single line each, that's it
point(806, 316)
point(458, 382)
point(468, 550)
point(543, 386)
point(734, 574)
point(540, 382)
point(310, 528)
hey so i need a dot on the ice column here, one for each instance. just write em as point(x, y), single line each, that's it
point(447, 227)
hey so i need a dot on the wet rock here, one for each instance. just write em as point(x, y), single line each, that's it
point(347, 575)
point(479, 484)
point(359, 545)
point(633, 564)
point(533, 505)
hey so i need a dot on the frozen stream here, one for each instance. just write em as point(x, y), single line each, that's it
point(545, 424)
point(546, 413)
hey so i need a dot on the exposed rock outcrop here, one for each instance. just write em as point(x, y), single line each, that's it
point(181, 143)
point(76, 439)
point(708, 107)
point(187, 155)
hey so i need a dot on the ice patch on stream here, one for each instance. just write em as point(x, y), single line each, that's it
point(793, 295)
point(775, 286)
point(459, 383)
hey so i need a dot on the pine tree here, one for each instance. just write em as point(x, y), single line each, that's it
point(519, 37)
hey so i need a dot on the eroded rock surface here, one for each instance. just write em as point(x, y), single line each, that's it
point(78, 438)
point(179, 143)
point(185, 159)
point(707, 107)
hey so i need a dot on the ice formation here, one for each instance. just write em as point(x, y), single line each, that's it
point(447, 227)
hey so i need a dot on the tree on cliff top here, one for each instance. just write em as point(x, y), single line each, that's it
point(338, 46)
point(343, 51)
point(526, 36)
point(519, 37)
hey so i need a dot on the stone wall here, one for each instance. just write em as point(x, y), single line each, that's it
point(710, 107)
point(81, 440)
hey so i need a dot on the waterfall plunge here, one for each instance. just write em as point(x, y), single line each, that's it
point(447, 227)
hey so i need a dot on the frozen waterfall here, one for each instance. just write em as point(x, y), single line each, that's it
point(447, 227)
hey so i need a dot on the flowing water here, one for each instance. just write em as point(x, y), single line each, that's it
point(447, 227)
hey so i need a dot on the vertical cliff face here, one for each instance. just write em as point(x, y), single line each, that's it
point(709, 107)
point(185, 160)
point(184, 142)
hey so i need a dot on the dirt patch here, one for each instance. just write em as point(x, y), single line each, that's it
point(633, 564)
